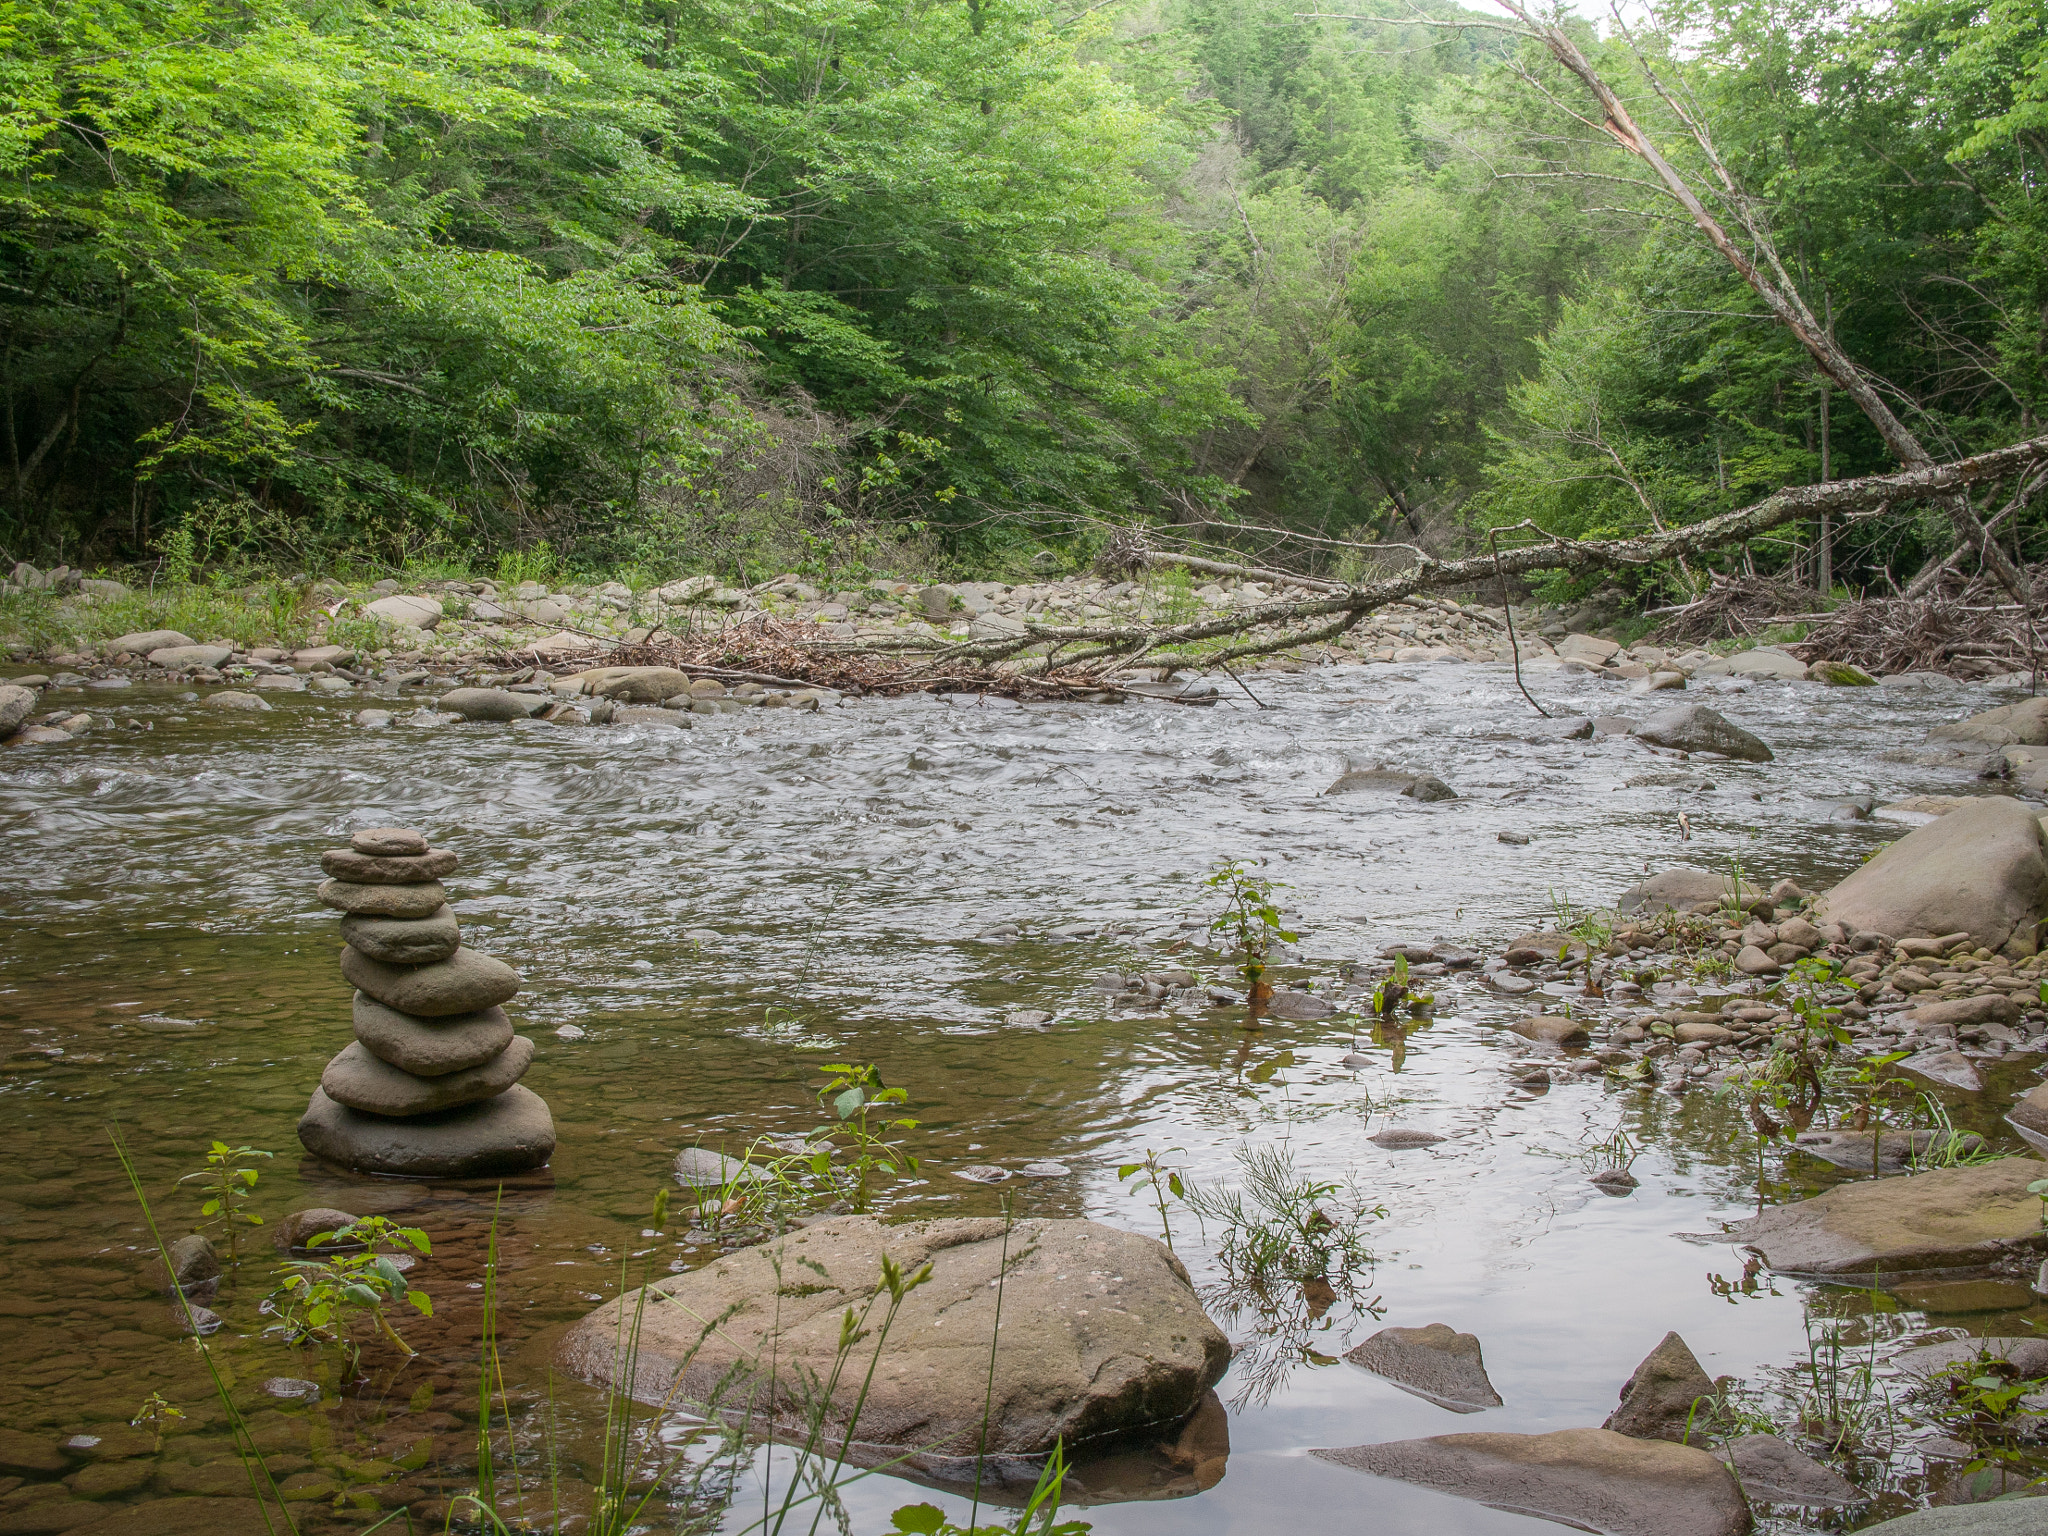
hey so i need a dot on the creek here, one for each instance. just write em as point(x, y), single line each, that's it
point(166, 969)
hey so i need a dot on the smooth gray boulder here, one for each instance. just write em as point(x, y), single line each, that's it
point(388, 869)
point(236, 698)
point(1774, 1472)
point(2006, 1517)
point(180, 658)
point(366, 1082)
point(1952, 1068)
point(1436, 1363)
point(1696, 728)
point(466, 982)
point(1591, 1478)
point(511, 1133)
point(406, 608)
point(2009, 725)
point(1952, 1218)
point(1669, 1396)
point(1391, 781)
point(142, 642)
point(1682, 888)
point(430, 1047)
point(702, 1168)
point(490, 704)
point(404, 941)
point(16, 705)
point(641, 685)
point(1102, 1334)
point(1979, 870)
point(402, 901)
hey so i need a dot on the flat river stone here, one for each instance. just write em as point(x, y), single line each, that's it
point(1591, 1478)
point(1437, 1363)
point(2017, 1517)
point(374, 869)
point(464, 983)
point(508, 1134)
point(1952, 1218)
point(385, 900)
point(403, 940)
point(1101, 1334)
point(366, 1082)
point(388, 842)
point(430, 1047)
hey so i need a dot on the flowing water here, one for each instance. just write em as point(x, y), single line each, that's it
point(166, 971)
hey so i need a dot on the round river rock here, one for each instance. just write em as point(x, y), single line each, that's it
point(511, 1133)
point(385, 900)
point(404, 941)
point(362, 1081)
point(430, 1047)
point(464, 983)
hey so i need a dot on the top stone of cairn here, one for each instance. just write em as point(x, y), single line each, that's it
point(388, 842)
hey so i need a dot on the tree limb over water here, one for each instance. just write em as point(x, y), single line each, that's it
point(1073, 653)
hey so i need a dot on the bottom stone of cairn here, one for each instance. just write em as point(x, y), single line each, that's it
point(511, 1133)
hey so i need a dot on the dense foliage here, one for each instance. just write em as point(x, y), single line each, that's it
point(656, 280)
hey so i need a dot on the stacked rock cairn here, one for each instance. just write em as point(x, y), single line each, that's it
point(430, 1088)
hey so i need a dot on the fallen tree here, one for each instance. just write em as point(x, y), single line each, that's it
point(1073, 660)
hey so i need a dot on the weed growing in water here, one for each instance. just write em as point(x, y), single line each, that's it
point(855, 1093)
point(1279, 1224)
point(1161, 1180)
point(325, 1301)
point(226, 1183)
point(1250, 923)
point(154, 1414)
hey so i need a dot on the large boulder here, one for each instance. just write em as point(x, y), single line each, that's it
point(16, 705)
point(183, 658)
point(1766, 661)
point(466, 982)
point(1953, 1218)
point(1696, 728)
point(1436, 1363)
point(493, 704)
point(1591, 1478)
point(511, 1133)
point(419, 612)
point(1978, 870)
point(144, 641)
point(2009, 725)
point(1102, 1335)
point(1683, 888)
point(1668, 1397)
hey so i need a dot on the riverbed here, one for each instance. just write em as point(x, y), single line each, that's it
point(714, 913)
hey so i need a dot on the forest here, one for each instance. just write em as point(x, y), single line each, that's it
point(660, 282)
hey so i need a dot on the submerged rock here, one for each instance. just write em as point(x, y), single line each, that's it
point(1391, 781)
point(1696, 728)
point(1101, 1334)
point(1950, 1067)
point(194, 1266)
point(294, 1231)
point(1299, 1006)
point(1892, 1151)
point(1952, 1218)
point(1436, 1363)
point(1774, 1472)
point(1591, 1478)
point(1978, 870)
point(489, 704)
point(1668, 1397)
point(1403, 1138)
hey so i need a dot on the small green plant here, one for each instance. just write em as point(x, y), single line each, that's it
point(1037, 1518)
point(856, 1093)
point(518, 565)
point(226, 1184)
point(328, 1300)
point(1173, 593)
point(2039, 1189)
point(178, 557)
point(1160, 1179)
point(154, 1414)
point(1250, 923)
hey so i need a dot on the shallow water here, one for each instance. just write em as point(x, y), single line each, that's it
point(166, 969)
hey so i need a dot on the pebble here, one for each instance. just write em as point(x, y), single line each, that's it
point(982, 1173)
point(570, 1032)
point(1045, 1170)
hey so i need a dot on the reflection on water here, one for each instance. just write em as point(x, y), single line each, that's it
point(720, 911)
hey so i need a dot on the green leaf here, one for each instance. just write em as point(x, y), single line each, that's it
point(849, 1103)
point(1173, 1183)
point(421, 1302)
point(1130, 1168)
point(923, 1519)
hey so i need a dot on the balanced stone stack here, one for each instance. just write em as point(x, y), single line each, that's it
point(430, 1087)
